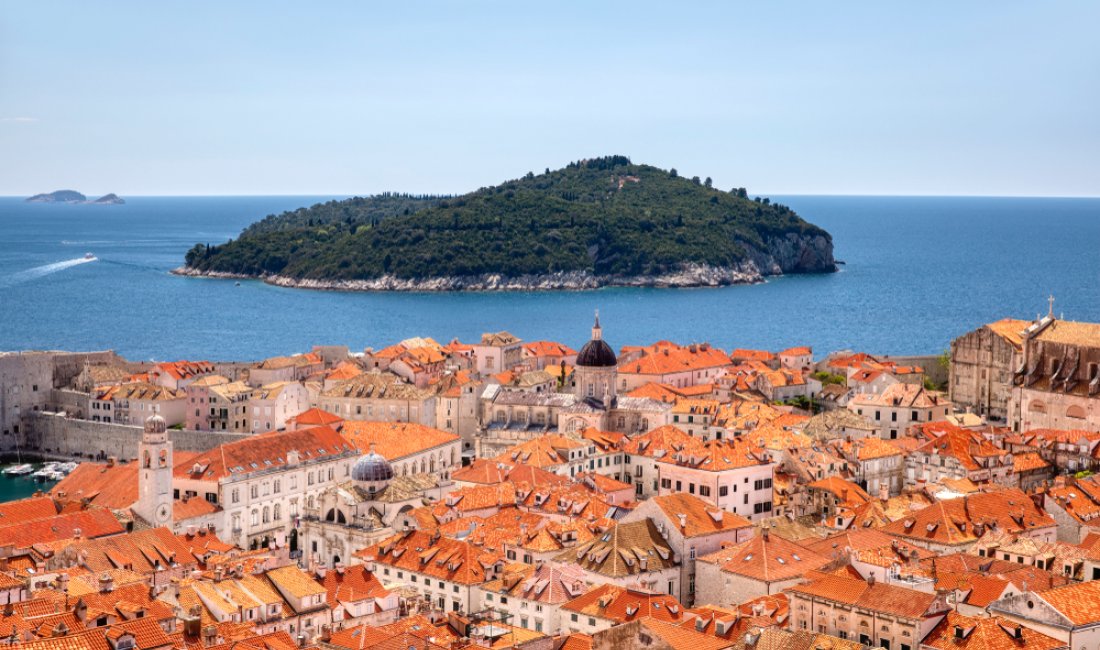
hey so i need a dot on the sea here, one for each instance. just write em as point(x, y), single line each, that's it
point(917, 272)
point(21, 487)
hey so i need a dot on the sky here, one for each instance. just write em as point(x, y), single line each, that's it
point(311, 98)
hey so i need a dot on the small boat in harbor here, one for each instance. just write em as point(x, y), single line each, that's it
point(18, 470)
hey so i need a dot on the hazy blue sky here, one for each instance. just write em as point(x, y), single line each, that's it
point(338, 98)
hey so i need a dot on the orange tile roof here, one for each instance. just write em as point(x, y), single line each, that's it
point(966, 446)
point(767, 558)
point(24, 510)
point(577, 641)
point(343, 370)
point(486, 472)
point(351, 585)
point(190, 508)
point(986, 633)
point(548, 450)
point(878, 597)
point(113, 487)
point(434, 555)
point(547, 583)
point(755, 355)
point(1079, 602)
point(183, 369)
point(674, 360)
point(316, 417)
point(681, 637)
point(718, 455)
point(1027, 462)
point(262, 452)
point(952, 522)
point(395, 440)
point(869, 545)
point(699, 517)
point(547, 349)
point(622, 605)
point(656, 391)
point(798, 351)
point(846, 492)
point(140, 551)
point(903, 395)
point(93, 522)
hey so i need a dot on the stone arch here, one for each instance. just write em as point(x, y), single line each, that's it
point(1076, 412)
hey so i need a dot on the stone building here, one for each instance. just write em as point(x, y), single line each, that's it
point(1057, 382)
point(982, 363)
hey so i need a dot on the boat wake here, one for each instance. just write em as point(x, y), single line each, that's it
point(40, 271)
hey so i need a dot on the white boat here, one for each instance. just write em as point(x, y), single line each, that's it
point(89, 256)
point(19, 470)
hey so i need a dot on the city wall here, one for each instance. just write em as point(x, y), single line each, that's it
point(59, 435)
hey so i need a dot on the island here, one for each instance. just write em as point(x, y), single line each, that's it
point(73, 197)
point(60, 196)
point(594, 223)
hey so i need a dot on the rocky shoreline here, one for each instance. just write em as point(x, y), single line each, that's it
point(692, 275)
point(790, 253)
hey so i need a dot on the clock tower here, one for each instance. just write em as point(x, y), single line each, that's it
point(154, 503)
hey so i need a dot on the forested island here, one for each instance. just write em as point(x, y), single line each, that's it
point(74, 197)
point(597, 222)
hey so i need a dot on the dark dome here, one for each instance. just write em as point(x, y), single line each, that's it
point(596, 353)
point(371, 467)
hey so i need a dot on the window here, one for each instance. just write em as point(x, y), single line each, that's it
point(723, 490)
point(236, 495)
point(255, 492)
point(704, 490)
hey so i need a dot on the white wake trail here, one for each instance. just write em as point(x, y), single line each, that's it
point(40, 271)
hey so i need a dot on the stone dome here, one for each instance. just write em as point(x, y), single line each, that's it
point(597, 353)
point(155, 424)
point(371, 467)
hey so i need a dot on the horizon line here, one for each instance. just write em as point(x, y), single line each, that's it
point(754, 194)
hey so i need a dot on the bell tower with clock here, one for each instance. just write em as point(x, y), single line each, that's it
point(154, 503)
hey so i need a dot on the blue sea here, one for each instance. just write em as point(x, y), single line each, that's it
point(917, 272)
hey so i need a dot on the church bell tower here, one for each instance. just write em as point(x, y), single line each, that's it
point(154, 503)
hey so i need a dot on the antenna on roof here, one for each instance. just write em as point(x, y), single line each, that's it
point(1050, 310)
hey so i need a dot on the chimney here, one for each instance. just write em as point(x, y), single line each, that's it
point(111, 460)
point(106, 583)
point(764, 533)
point(871, 579)
point(209, 635)
point(683, 520)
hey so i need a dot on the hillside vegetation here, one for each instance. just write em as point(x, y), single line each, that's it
point(606, 216)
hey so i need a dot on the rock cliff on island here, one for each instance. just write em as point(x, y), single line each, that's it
point(598, 222)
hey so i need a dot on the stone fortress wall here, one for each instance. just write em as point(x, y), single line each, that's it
point(62, 436)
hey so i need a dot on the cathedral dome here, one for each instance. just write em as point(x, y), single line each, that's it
point(596, 353)
point(371, 467)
